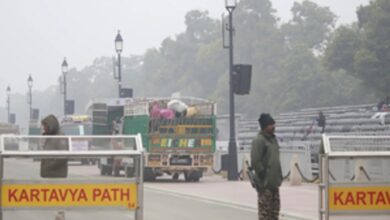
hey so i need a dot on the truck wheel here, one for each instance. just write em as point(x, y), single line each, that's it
point(117, 171)
point(149, 174)
point(197, 175)
point(102, 170)
point(187, 176)
point(108, 170)
point(92, 161)
point(105, 170)
point(175, 176)
point(84, 162)
point(129, 172)
point(193, 176)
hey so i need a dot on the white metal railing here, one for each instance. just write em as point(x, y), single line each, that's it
point(129, 190)
point(354, 176)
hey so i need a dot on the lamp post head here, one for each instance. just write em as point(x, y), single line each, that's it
point(230, 4)
point(118, 43)
point(30, 81)
point(8, 90)
point(64, 66)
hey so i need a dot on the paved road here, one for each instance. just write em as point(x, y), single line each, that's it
point(159, 205)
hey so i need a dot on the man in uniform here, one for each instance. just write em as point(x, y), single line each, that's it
point(266, 163)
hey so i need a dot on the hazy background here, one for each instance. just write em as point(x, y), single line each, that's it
point(319, 57)
point(37, 34)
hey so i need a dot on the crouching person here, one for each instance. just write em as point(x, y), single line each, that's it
point(53, 168)
point(266, 163)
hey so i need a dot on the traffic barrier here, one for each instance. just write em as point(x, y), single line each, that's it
point(360, 174)
point(354, 176)
point(307, 180)
point(245, 166)
point(70, 192)
point(295, 177)
point(296, 153)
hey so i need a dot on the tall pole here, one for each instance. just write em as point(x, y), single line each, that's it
point(119, 75)
point(232, 169)
point(30, 99)
point(64, 81)
point(8, 104)
point(119, 48)
point(29, 83)
point(64, 68)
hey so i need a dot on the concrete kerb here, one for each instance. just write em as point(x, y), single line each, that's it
point(283, 215)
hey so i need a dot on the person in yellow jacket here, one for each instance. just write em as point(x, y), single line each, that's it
point(53, 168)
point(265, 160)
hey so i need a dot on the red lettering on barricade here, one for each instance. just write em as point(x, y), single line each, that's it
point(371, 194)
point(349, 199)
point(125, 194)
point(12, 195)
point(115, 191)
point(23, 196)
point(82, 196)
point(34, 194)
point(106, 195)
point(45, 194)
point(388, 197)
point(73, 194)
point(380, 199)
point(361, 197)
point(337, 198)
point(96, 193)
point(53, 196)
point(63, 194)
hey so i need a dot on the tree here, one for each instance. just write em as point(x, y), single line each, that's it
point(311, 25)
point(364, 51)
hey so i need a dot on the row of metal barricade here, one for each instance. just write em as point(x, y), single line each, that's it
point(354, 174)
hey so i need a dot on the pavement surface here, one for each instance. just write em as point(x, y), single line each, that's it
point(298, 202)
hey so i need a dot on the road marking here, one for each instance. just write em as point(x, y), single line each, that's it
point(283, 215)
point(201, 199)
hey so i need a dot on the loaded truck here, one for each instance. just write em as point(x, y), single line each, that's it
point(178, 134)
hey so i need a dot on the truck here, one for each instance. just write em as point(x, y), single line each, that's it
point(178, 134)
point(78, 125)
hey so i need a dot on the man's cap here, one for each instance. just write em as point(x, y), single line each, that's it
point(265, 119)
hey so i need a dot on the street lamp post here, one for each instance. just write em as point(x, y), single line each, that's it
point(232, 168)
point(119, 48)
point(64, 68)
point(8, 104)
point(30, 84)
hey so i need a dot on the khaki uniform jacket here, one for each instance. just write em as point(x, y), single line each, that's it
point(265, 160)
point(55, 168)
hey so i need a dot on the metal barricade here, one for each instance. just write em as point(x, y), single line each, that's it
point(302, 151)
point(72, 192)
point(354, 176)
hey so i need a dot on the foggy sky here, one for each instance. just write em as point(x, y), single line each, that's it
point(37, 34)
